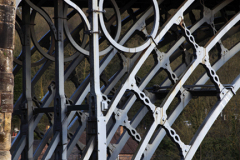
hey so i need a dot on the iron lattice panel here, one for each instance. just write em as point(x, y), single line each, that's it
point(114, 24)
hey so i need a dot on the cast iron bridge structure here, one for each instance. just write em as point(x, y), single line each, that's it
point(106, 33)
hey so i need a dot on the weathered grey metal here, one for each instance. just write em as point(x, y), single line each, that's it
point(27, 105)
point(60, 104)
point(109, 103)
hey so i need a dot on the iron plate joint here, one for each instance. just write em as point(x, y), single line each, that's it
point(90, 32)
point(96, 11)
point(104, 105)
point(232, 89)
point(153, 40)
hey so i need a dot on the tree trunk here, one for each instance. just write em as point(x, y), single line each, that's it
point(7, 34)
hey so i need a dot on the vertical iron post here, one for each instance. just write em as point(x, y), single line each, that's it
point(60, 125)
point(96, 123)
point(27, 106)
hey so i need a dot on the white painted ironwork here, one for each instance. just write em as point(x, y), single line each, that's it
point(107, 103)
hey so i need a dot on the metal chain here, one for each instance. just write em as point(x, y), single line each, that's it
point(172, 76)
point(175, 137)
point(132, 131)
point(145, 99)
point(224, 50)
point(205, 61)
point(189, 35)
point(208, 14)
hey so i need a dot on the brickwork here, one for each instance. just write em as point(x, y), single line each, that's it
point(125, 156)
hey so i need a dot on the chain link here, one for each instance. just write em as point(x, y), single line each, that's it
point(160, 58)
point(175, 137)
point(189, 35)
point(132, 131)
point(212, 74)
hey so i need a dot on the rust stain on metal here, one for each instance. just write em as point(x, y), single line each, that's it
point(181, 24)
